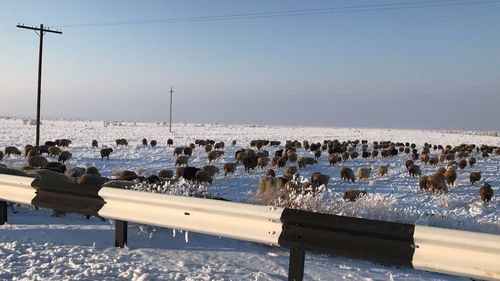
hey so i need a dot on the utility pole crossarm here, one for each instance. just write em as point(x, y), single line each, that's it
point(39, 29)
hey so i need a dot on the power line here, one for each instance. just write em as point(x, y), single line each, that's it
point(290, 13)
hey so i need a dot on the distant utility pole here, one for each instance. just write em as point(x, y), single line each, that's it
point(41, 31)
point(170, 127)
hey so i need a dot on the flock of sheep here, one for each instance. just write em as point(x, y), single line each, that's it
point(285, 159)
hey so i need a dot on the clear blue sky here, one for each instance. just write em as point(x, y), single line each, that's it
point(404, 68)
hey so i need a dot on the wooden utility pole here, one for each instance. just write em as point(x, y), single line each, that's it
point(41, 31)
point(170, 127)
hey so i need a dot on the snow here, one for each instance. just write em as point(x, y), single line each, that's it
point(36, 246)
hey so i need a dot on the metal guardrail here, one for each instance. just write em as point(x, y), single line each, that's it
point(470, 254)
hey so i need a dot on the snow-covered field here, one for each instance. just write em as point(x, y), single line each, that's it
point(36, 246)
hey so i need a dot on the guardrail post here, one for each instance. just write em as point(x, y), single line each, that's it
point(120, 233)
point(296, 266)
point(3, 212)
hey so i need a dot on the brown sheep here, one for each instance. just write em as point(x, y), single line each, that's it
point(27, 149)
point(203, 176)
point(472, 161)
point(422, 183)
point(122, 142)
point(170, 142)
point(105, 152)
point(64, 142)
point(166, 174)
point(408, 163)
point(233, 142)
point(332, 159)
point(353, 195)
point(301, 162)
point(33, 152)
point(474, 177)
point(153, 143)
point(382, 170)
point(486, 192)
point(240, 156)
point(450, 176)
point(182, 160)
point(262, 162)
point(291, 156)
point(144, 142)
point(354, 155)
point(364, 173)
point(462, 164)
point(317, 153)
point(437, 182)
point(270, 173)
point(211, 169)
point(347, 174)
point(187, 151)
point(414, 170)
point(229, 168)
point(208, 148)
point(318, 179)
point(37, 161)
point(250, 162)
point(54, 150)
point(126, 175)
point(291, 170)
point(424, 158)
point(311, 161)
point(441, 170)
point(95, 144)
point(178, 150)
point(93, 171)
point(12, 150)
point(90, 179)
point(214, 155)
point(64, 156)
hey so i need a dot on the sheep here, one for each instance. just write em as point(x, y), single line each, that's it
point(291, 170)
point(75, 172)
point(472, 161)
point(332, 159)
point(270, 173)
point(317, 153)
point(189, 173)
point(12, 150)
point(382, 170)
point(437, 182)
point(37, 161)
point(211, 169)
point(203, 176)
point(353, 195)
point(126, 175)
point(262, 153)
point(181, 160)
point(229, 168)
point(414, 170)
point(347, 174)
point(486, 192)
point(54, 151)
point(474, 177)
point(208, 148)
point(354, 155)
point(278, 152)
point(64, 156)
point(239, 155)
point(144, 142)
point(33, 152)
point(219, 145)
point(122, 142)
point(301, 162)
point(27, 149)
point(233, 142)
point(374, 153)
point(250, 162)
point(105, 152)
point(318, 179)
point(364, 173)
point(450, 176)
point(433, 161)
point(422, 183)
point(187, 151)
point(43, 149)
point(95, 144)
point(64, 142)
point(262, 162)
point(92, 180)
point(178, 150)
point(166, 174)
point(214, 155)
point(291, 156)
point(462, 164)
point(170, 142)
point(153, 143)
point(50, 143)
point(93, 171)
